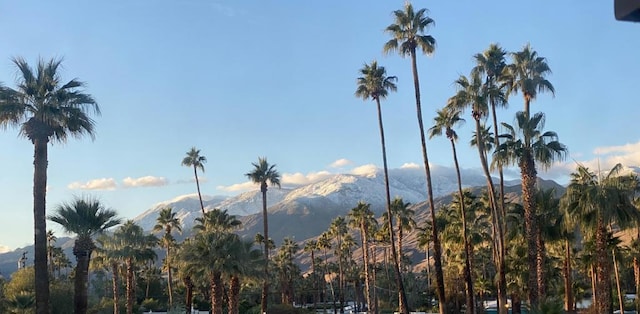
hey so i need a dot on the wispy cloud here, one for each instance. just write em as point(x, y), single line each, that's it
point(342, 162)
point(96, 184)
point(4, 249)
point(364, 169)
point(192, 180)
point(145, 181)
point(410, 165)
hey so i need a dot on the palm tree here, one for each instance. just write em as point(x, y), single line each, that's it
point(310, 246)
point(84, 217)
point(195, 160)
point(446, 119)
point(473, 94)
point(374, 84)
point(168, 222)
point(408, 32)
point(404, 217)
point(242, 263)
point(524, 145)
point(108, 256)
point(217, 220)
point(527, 74)
point(46, 110)
point(263, 174)
point(338, 230)
point(361, 217)
point(134, 247)
point(51, 240)
point(599, 202)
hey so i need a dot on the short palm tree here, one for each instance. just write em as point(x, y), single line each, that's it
point(46, 110)
point(264, 174)
point(600, 201)
point(167, 222)
point(446, 119)
point(525, 145)
point(374, 84)
point(408, 36)
point(84, 217)
point(244, 262)
point(135, 248)
point(197, 161)
point(362, 218)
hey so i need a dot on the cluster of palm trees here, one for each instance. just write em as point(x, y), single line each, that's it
point(501, 247)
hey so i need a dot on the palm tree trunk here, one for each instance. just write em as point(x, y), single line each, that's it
point(316, 294)
point(130, 286)
point(195, 173)
point(594, 293)
point(568, 291)
point(40, 224)
point(528, 172)
point(234, 295)
point(116, 295)
point(617, 274)
point(365, 260)
point(188, 293)
point(82, 269)
point(437, 249)
point(402, 299)
point(265, 284)
point(540, 257)
point(498, 240)
point(216, 292)
point(465, 237)
point(603, 272)
point(340, 275)
point(169, 277)
point(636, 275)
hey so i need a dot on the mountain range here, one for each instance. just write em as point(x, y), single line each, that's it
point(304, 211)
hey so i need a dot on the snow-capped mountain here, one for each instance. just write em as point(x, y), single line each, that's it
point(334, 195)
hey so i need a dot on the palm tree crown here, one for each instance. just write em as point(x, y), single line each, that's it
point(85, 217)
point(408, 32)
point(46, 108)
point(374, 83)
point(527, 74)
point(446, 119)
point(264, 173)
point(194, 159)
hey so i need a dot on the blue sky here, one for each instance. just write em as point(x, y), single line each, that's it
point(242, 79)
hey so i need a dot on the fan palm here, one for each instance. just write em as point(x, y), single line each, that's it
point(168, 222)
point(446, 119)
point(472, 93)
point(264, 174)
point(84, 217)
point(408, 36)
point(374, 84)
point(525, 145)
point(197, 161)
point(599, 202)
point(361, 217)
point(46, 110)
point(527, 75)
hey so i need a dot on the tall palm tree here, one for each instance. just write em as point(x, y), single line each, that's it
point(310, 246)
point(84, 217)
point(338, 230)
point(108, 256)
point(525, 145)
point(46, 110)
point(264, 174)
point(374, 84)
point(361, 217)
point(243, 262)
point(404, 217)
point(446, 119)
point(408, 32)
point(167, 222)
point(473, 94)
point(197, 161)
point(527, 75)
point(599, 202)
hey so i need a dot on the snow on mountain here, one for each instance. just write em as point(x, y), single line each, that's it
point(338, 192)
point(186, 207)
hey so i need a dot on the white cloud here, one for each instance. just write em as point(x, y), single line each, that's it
point(4, 249)
point(96, 184)
point(625, 149)
point(410, 165)
point(130, 182)
point(238, 187)
point(301, 179)
point(365, 170)
point(342, 162)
